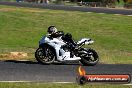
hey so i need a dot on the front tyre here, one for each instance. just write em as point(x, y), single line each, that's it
point(45, 55)
point(91, 59)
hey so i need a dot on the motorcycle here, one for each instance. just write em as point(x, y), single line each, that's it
point(57, 49)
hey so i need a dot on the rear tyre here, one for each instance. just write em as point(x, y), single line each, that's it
point(45, 55)
point(90, 60)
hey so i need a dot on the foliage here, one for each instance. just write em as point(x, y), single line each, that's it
point(108, 1)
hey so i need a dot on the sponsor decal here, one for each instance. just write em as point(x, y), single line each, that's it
point(82, 77)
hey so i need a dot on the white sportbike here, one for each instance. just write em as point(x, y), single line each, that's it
point(53, 50)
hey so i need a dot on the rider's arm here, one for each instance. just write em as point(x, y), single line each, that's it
point(57, 34)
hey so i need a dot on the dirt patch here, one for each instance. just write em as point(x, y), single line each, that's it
point(14, 55)
point(6, 9)
point(31, 10)
point(25, 10)
point(129, 54)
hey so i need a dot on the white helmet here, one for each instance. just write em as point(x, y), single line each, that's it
point(52, 29)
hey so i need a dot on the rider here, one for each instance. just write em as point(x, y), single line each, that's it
point(53, 33)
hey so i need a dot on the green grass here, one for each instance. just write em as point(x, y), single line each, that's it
point(21, 29)
point(51, 85)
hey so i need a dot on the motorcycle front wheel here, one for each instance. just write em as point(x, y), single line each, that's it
point(45, 55)
point(91, 59)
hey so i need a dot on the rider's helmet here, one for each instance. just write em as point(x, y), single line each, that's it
point(52, 29)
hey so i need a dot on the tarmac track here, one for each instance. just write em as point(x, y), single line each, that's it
point(71, 8)
point(11, 71)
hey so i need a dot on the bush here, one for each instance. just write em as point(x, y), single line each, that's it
point(59, 2)
point(103, 2)
point(129, 1)
point(128, 5)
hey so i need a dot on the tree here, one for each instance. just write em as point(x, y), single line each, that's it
point(125, 1)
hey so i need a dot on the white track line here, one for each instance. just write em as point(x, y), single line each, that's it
point(129, 15)
point(31, 81)
point(117, 14)
point(15, 81)
point(63, 82)
point(101, 13)
point(128, 84)
point(89, 12)
point(113, 14)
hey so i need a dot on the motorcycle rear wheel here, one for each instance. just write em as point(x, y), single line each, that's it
point(45, 55)
point(92, 60)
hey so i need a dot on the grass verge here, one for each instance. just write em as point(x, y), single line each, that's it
point(52, 85)
point(21, 28)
